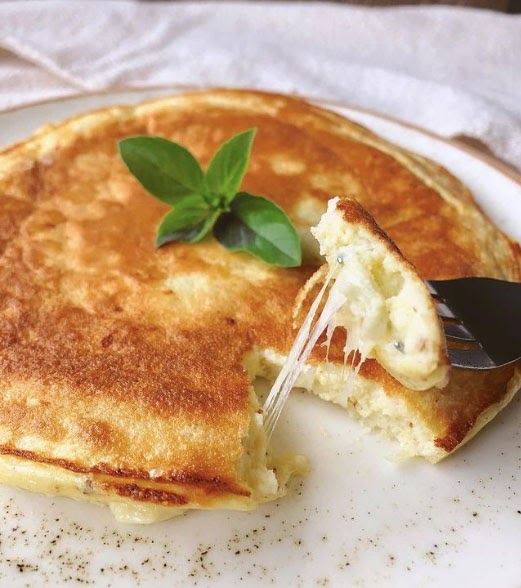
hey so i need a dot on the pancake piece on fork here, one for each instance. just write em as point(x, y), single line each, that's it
point(126, 371)
point(389, 313)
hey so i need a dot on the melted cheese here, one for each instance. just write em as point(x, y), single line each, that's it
point(305, 340)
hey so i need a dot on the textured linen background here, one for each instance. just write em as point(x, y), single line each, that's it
point(451, 70)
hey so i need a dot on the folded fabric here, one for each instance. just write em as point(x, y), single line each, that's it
point(451, 70)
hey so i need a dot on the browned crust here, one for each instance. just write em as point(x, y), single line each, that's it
point(353, 213)
point(211, 486)
point(135, 492)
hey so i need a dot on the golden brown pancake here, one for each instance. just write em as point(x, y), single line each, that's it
point(126, 370)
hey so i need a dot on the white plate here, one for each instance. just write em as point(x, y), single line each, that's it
point(357, 519)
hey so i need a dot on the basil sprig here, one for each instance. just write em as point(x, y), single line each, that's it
point(202, 202)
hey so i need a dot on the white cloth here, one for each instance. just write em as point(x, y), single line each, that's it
point(451, 70)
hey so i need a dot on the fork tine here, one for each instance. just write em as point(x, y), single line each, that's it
point(471, 358)
point(432, 289)
point(444, 311)
point(457, 331)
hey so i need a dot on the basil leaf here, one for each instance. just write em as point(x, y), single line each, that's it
point(188, 221)
point(205, 226)
point(242, 222)
point(228, 166)
point(257, 225)
point(164, 168)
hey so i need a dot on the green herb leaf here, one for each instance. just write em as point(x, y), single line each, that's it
point(228, 166)
point(241, 222)
point(164, 168)
point(257, 225)
point(190, 220)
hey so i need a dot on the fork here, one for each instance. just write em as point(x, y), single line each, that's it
point(484, 314)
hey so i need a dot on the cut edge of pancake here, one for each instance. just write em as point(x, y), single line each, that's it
point(365, 399)
point(368, 401)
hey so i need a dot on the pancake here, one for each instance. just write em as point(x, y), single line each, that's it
point(388, 313)
point(126, 370)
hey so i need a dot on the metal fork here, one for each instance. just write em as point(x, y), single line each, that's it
point(484, 315)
